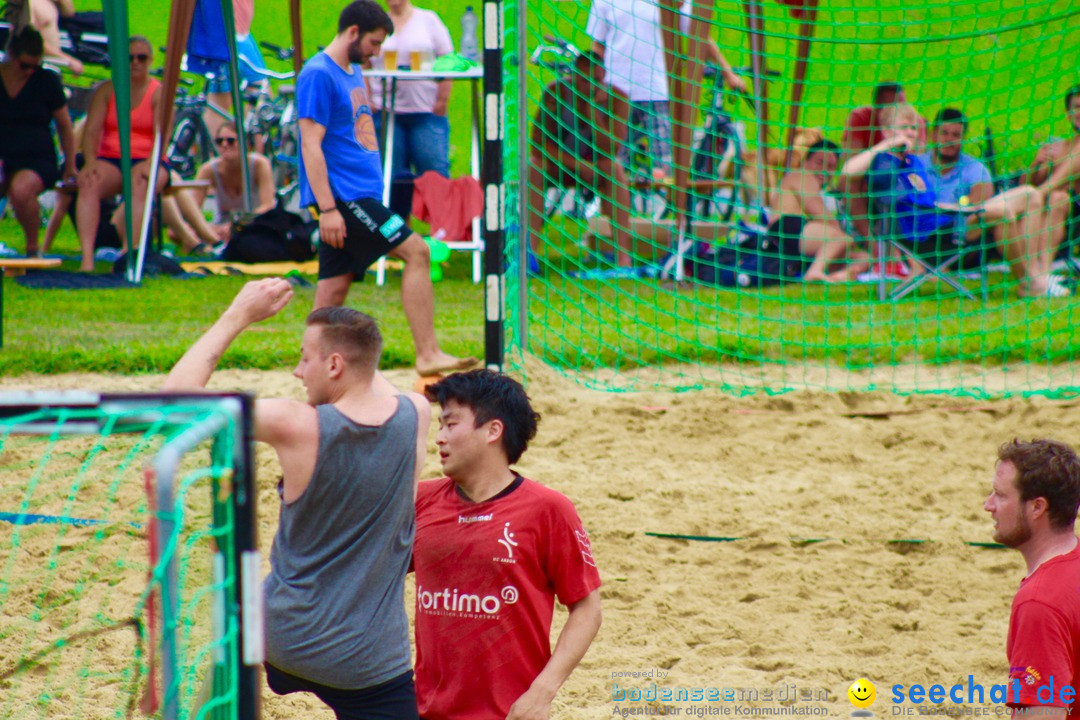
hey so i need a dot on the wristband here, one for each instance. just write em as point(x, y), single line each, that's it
point(323, 212)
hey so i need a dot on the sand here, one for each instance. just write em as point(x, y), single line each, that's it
point(768, 611)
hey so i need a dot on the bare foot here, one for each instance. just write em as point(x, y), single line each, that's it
point(442, 363)
point(815, 276)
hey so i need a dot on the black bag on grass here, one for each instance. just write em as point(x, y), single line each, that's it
point(275, 236)
point(751, 261)
point(153, 264)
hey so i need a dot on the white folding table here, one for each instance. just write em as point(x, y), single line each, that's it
point(389, 79)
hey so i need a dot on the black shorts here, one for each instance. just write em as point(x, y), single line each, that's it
point(784, 236)
point(371, 231)
point(394, 699)
point(44, 167)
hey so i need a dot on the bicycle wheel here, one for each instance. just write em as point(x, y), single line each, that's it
point(707, 164)
point(285, 161)
point(190, 144)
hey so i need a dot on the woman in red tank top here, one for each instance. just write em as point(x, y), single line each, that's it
point(100, 176)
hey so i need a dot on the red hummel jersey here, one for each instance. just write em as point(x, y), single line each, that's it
point(487, 575)
point(1044, 633)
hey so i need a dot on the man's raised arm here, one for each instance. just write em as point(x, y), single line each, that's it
point(255, 302)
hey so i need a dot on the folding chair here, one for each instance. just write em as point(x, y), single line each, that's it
point(911, 231)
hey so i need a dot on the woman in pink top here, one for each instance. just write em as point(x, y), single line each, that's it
point(421, 129)
point(100, 176)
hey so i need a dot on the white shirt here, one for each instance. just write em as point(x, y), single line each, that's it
point(633, 47)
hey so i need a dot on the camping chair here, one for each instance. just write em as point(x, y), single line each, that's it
point(912, 231)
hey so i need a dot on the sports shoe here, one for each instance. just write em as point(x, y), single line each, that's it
point(896, 270)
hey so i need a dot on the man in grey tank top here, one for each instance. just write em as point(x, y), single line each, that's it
point(350, 457)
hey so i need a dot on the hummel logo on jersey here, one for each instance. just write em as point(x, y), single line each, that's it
point(474, 518)
point(508, 542)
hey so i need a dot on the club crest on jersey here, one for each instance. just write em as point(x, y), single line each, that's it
point(509, 543)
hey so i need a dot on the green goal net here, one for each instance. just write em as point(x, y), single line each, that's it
point(129, 581)
point(766, 195)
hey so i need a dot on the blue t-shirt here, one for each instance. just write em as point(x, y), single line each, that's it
point(901, 187)
point(964, 174)
point(338, 101)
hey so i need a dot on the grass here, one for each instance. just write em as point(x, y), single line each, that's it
point(147, 329)
point(993, 74)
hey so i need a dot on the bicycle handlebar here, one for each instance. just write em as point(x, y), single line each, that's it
point(281, 53)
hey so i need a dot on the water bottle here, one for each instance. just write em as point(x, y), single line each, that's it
point(469, 25)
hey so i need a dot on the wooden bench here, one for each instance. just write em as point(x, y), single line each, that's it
point(18, 266)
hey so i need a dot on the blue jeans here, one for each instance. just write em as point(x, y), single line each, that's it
point(421, 143)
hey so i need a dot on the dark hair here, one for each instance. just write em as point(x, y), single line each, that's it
point(1070, 94)
point(28, 43)
point(950, 115)
point(366, 15)
point(1046, 469)
point(351, 333)
point(886, 87)
point(140, 39)
point(227, 125)
point(491, 396)
point(822, 145)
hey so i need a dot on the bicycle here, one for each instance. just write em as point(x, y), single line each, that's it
point(190, 144)
point(718, 153)
point(275, 121)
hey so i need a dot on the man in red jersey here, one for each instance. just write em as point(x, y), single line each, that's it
point(1034, 500)
point(492, 552)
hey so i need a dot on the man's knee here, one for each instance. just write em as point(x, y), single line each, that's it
point(331, 292)
point(413, 251)
point(24, 192)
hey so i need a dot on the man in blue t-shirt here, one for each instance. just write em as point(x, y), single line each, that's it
point(341, 179)
point(954, 176)
point(953, 173)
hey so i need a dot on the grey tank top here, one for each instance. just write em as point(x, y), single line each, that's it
point(335, 605)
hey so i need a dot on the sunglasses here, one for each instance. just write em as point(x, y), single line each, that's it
point(29, 66)
point(226, 141)
point(140, 57)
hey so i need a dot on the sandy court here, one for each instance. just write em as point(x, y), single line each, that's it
point(770, 611)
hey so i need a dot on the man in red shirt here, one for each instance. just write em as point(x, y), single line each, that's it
point(1034, 500)
point(863, 129)
point(492, 552)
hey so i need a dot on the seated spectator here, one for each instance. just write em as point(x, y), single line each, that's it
point(225, 175)
point(1064, 200)
point(803, 227)
point(955, 175)
point(1023, 233)
point(182, 218)
point(45, 17)
point(861, 131)
point(864, 127)
point(421, 139)
point(576, 135)
point(100, 176)
point(31, 100)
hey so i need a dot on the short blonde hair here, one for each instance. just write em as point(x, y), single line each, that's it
point(897, 114)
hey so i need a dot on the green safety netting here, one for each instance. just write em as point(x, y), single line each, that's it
point(705, 265)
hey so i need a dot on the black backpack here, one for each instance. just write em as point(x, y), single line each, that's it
point(275, 236)
point(751, 260)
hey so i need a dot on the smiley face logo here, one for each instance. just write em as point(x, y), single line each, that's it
point(862, 693)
